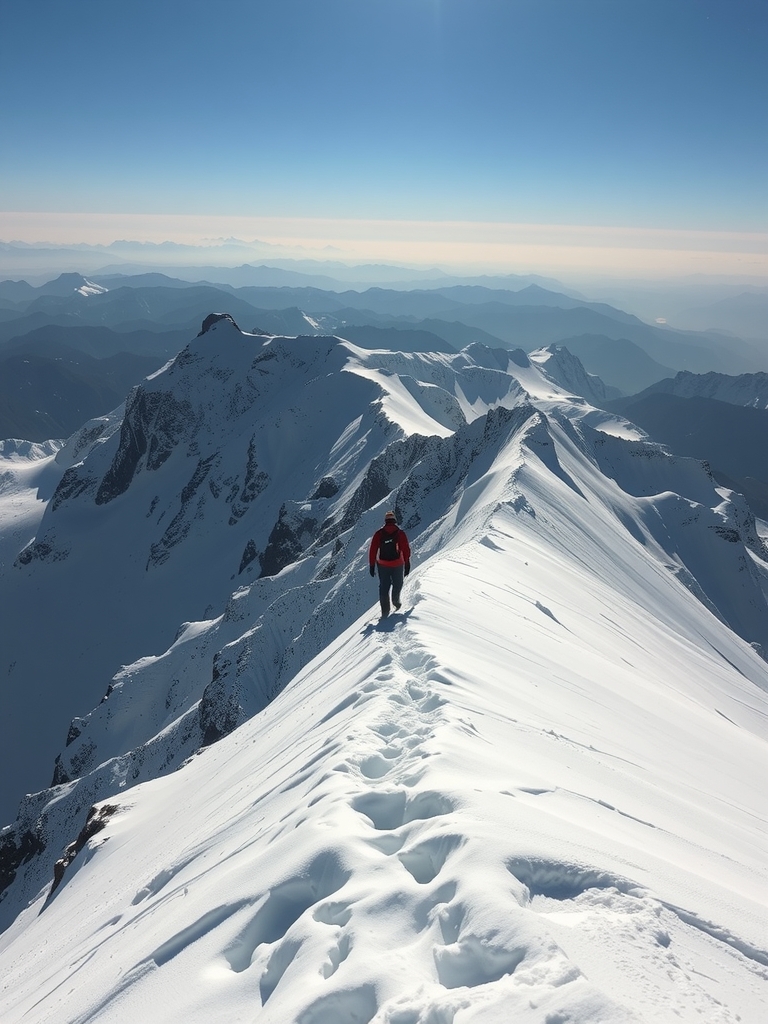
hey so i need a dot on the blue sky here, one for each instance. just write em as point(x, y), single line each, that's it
point(613, 113)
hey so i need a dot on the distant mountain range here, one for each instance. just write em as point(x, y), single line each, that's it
point(71, 348)
point(744, 389)
point(720, 419)
point(152, 312)
point(49, 391)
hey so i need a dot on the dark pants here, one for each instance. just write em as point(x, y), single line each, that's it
point(390, 576)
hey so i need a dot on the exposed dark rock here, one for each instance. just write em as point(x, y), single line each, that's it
point(76, 726)
point(249, 554)
point(286, 541)
point(41, 551)
point(82, 760)
point(73, 483)
point(181, 523)
point(332, 566)
point(215, 318)
point(327, 488)
point(37, 549)
point(728, 533)
point(264, 357)
point(14, 853)
point(255, 482)
point(132, 445)
point(60, 776)
point(153, 425)
point(220, 711)
point(87, 436)
point(447, 461)
point(95, 822)
point(398, 458)
point(172, 423)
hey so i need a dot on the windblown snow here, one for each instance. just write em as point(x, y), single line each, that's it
point(536, 794)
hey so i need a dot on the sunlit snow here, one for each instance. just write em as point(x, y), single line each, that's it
point(535, 794)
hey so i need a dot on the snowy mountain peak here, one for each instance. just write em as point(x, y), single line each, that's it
point(567, 370)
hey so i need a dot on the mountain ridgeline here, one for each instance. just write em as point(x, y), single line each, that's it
point(209, 538)
point(47, 384)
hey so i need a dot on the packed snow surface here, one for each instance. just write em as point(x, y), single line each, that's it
point(519, 799)
point(535, 794)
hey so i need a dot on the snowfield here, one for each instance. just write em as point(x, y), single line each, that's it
point(536, 794)
point(28, 477)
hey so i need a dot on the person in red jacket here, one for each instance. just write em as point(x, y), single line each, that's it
point(391, 552)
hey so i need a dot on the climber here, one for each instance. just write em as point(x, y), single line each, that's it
point(391, 551)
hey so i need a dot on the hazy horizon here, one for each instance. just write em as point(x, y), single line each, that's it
point(550, 138)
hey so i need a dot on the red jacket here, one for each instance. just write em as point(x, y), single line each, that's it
point(402, 543)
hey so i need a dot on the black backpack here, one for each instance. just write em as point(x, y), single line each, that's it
point(389, 549)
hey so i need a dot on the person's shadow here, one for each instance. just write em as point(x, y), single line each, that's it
point(389, 624)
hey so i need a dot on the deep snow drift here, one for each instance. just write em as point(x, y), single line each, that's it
point(536, 794)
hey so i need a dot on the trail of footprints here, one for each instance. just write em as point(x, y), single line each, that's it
point(417, 827)
point(388, 800)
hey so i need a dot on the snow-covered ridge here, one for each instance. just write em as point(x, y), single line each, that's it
point(487, 808)
point(523, 746)
point(17, 450)
point(750, 389)
point(567, 371)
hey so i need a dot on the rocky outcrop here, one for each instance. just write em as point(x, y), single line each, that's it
point(294, 531)
point(154, 423)
point(44, 550)
point(327, 488)
point(215, 318)
point(74, 482)
point(189, 509)
point(95, 822)
point(220, 710)
point(254, 482)
point(250, 554)
point(16, 850)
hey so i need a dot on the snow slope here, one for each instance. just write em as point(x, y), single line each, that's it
point(223, 468)
point(535, 794)
point(28, 476)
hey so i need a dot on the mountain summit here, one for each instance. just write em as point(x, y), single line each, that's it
point(532, 794)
